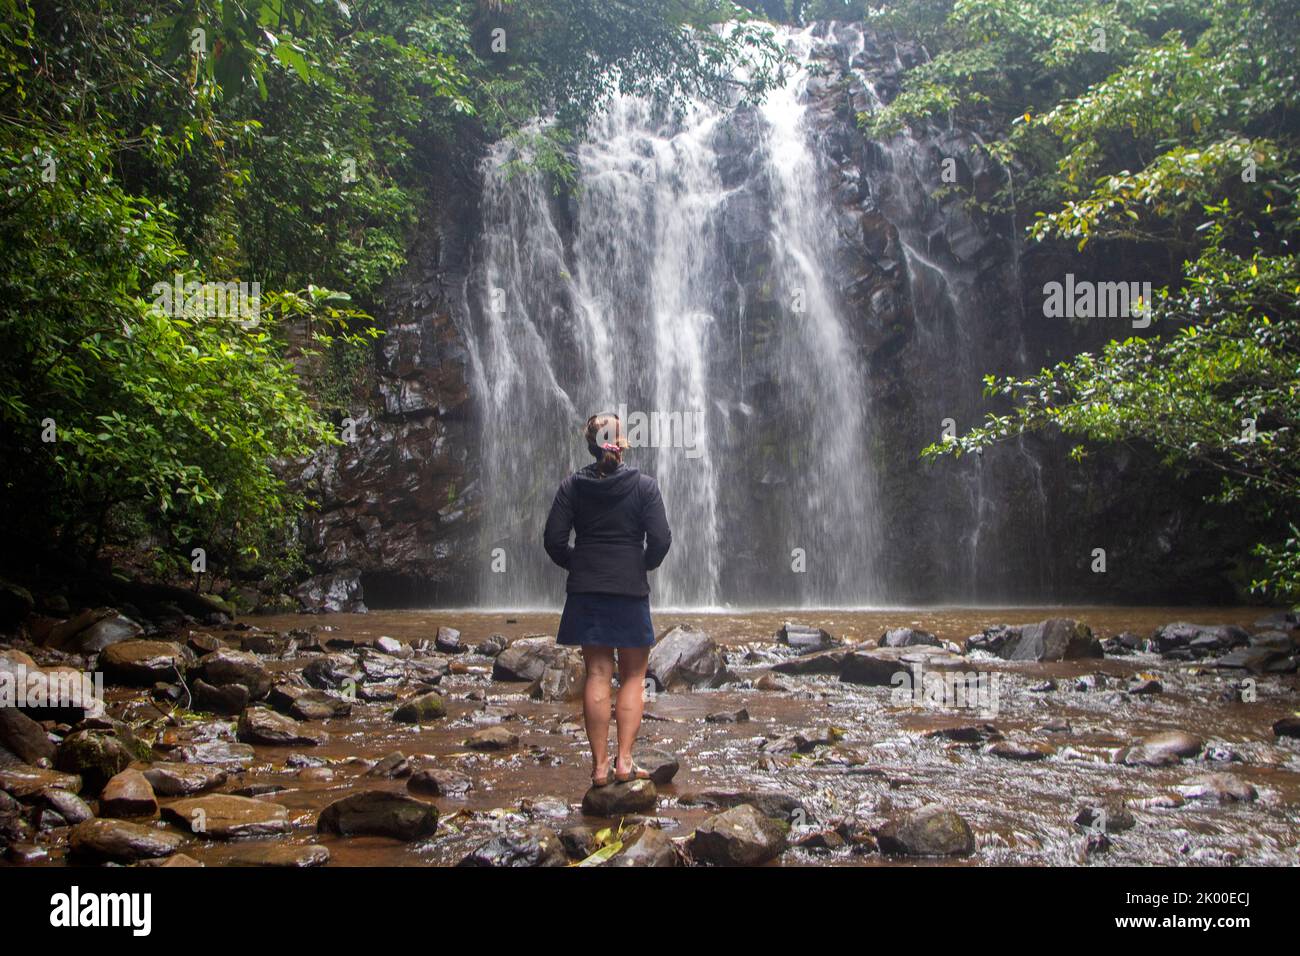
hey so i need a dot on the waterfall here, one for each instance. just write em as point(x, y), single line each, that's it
point(637, 294)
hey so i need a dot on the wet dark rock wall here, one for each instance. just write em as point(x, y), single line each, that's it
point(939, 293)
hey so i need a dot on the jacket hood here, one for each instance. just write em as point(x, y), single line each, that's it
point(613, 486)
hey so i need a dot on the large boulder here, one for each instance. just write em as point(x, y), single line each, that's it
point(528, 658)
point(930, 831)
point(228, 666)
point(1184, 641)
point(687, 658)
point(144, 663)
point(1056, 639)
point(741, 836)
point(379, 813)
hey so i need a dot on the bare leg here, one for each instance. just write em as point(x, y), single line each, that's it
point(632, 663)
point(595, 704)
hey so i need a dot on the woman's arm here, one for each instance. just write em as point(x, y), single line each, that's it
point(658, 536)
point(558, 525)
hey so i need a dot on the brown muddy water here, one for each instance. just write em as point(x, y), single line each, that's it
point(1021, 811)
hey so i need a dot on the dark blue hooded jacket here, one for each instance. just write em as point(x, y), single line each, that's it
point(621, 531)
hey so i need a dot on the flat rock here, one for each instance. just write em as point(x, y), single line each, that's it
point(278, 855)
point(261, 725)
point(222, 816)
point(183, 779)
point(1218, 788)
point(216, 753)
point(117, 841)
point(492, 738)
point(379, 813)
point(143, 663)
point(618, 799)
point(24, 781)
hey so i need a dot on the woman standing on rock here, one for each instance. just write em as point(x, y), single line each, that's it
point(621, 532)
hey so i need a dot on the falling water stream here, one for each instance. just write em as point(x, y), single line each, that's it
point(624, 298)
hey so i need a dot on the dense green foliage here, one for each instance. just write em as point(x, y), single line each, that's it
point(1140, 130)
point(146, 146)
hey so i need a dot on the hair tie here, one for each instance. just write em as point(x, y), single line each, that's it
point(607, 446)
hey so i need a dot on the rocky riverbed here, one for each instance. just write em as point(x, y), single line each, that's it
point(969, 737)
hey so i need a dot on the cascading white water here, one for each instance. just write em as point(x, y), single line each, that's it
point(626, 297)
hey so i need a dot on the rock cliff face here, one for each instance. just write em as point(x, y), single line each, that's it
point(929, 291)
point(398, 503)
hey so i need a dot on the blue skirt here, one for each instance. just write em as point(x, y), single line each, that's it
point(606, 620)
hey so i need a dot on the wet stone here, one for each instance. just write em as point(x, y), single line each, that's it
point(492, 738)
point(616, 799)
point(435, 782)
point(104, 840)
point(183, 779)
point(223, 816)
point(741, 836)
point(128, 794)
point(534, 846)
point(379, 813)
point(930, 831)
